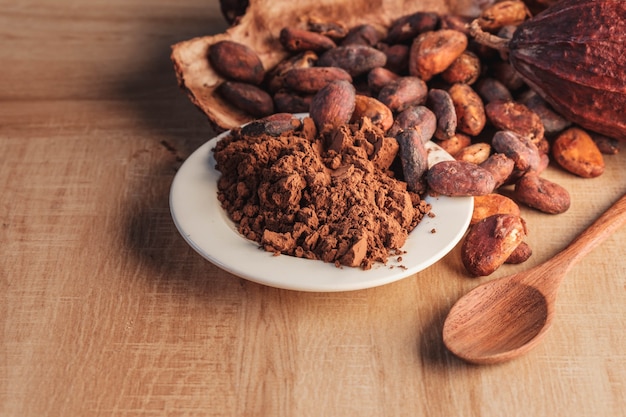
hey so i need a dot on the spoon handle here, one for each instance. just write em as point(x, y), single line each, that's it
point(611, 220)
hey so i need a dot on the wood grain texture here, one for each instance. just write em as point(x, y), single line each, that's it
point(105, 311)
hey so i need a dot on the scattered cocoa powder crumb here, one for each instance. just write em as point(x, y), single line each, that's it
point(318, 197)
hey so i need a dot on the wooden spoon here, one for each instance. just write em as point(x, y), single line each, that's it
point(506, 317)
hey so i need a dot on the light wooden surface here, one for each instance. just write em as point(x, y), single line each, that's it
point(105, 310)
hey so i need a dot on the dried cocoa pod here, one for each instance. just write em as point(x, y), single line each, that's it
point(236, 62)
point(575, 151)
point(521, 254)
point(407, 27)
point(355, 59)
point(247, 97)
point(476, 153)
point(574, 36)
point(276, 75)
point(515, 117)
point(379, 77)
point(503, 13)
point(273, 125)
point(333, 105)
point(440, 102)
point(289, 102)
point(414, 158)
point(365, 34)
point(433, 51)
point(541, 194)
point(519, 148)
point(470, 110)
point(490, 89)
point(459, 178)
point(377, 112)
point(500, 166)
point(417, 118)
point(403, 93)
point(311, 80)
point(455, 143)
point(465, 69)
point(300, 40)
point(493, 203)
point(490, 242)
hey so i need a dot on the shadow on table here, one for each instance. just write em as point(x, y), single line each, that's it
point(176, 129)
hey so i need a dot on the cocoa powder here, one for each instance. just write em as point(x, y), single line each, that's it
point(295, 196)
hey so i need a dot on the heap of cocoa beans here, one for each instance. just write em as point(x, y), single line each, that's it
point(425, 78)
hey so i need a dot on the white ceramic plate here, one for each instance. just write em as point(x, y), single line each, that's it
point(206, 227)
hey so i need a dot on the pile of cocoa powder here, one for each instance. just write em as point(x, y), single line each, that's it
point(331, 198)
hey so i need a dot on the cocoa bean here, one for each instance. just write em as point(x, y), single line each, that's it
point(493, 203)
point(299, 40)
point(440, 102)
point(414, 159)
point(311, 80)
point(365, 34)
point(455, 143)
point(541, 194)
point(379, 77)
point(380, 115)
point(503, 13)
point(417, 118)
point(289, 102)
point(515, 117)
point(520, 149)
point(277, 75)
point(465, 69)
point(407, 27)
point(459, 178)
point(273, 125)
point(475, 153)
point(521, 254)
point(500, 166)
point(433, 51)
point(247, 97)
point(551, 120)
point(236, 61)
point(333, 105)
point(490, 242)
point(575, 151)
point(355, 59)
point(334, 30)
point(490, 89)
point(470, 111)
point(397, 57)
point(403, 93)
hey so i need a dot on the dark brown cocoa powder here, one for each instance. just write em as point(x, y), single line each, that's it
point(325, 198)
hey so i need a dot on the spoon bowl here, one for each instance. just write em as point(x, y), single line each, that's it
point(506, 317)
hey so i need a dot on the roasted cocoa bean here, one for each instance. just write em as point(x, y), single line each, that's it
point(247, 98)
point(299, 40)
point(311, 80)
point(379, 77)
point(490, 242)
point(417, 118)
point(503, 13)
point(490, 204)
point(515, 117)
point(519, 148)
point(237, 62)
point(500, 166)
point(521, 254)
point(377, 112)
point(490, 89)
point(459, 178)
point(455, 143)
point(541, 194)
point(470, 110)
point(276, 75)
point(465, 69)
point(440, 102)
point(289, 102)
point(365, 34)
point(575, 151)
point(403, 93)
point(355, 59)
point(433, 51)
point(333, 105)
point(405, 28)
point(273, 125)
point(414, 159)
point(476, 153)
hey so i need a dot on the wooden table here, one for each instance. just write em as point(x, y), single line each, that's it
point(107, 312)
